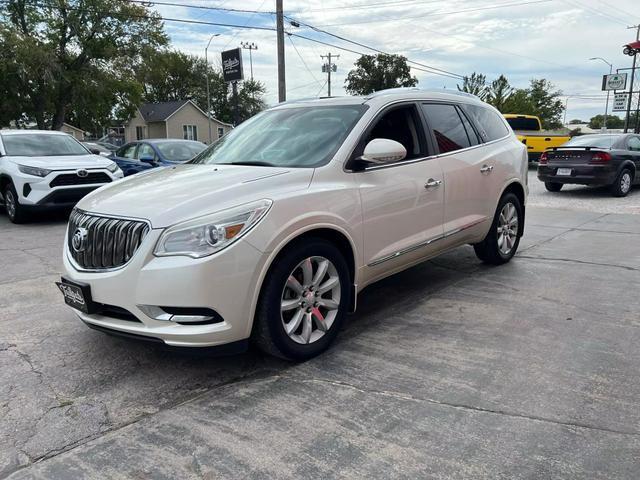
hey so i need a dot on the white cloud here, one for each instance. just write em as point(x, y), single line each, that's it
point(552, 40)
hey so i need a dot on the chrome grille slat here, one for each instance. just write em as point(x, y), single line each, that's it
point(110, 242)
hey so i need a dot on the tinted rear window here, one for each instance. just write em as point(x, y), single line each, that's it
point(599, 141)
point(524, 124)
point(447, 126)
point(489, 124)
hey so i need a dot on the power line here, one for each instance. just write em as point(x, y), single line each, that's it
point(302, 59)
point(413, 16)
point(399, 3)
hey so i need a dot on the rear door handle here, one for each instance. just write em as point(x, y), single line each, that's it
point(486, 169)
point(431, 183)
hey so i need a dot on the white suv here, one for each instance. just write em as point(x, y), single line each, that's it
point(271, 232)
point(42, 169)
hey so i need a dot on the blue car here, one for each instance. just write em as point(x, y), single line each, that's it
point(142, 155)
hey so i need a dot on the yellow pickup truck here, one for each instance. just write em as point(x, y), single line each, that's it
point(529, 131)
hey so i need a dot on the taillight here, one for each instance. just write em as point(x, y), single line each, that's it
point(600, 157)
point(544, 159)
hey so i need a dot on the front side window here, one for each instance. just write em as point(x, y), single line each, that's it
point(128, 151)
point(489, 124)
point(41, 145)
point(447, 127)
point(634, 144)
point(145, 151)
point(286, 137)
point(190, 132)
point(402, 125)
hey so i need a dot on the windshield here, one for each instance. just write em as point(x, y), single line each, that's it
point(599, 141)
point(524, 124)
point(288, 137)
point(41, 145)
point(180, 151)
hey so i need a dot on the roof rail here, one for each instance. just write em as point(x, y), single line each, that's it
point(391, 91)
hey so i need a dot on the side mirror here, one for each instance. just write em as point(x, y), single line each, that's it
point(381, 151)
point(95, 151)
point(150, 160)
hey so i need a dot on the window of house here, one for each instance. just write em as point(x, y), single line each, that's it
point(402, 125)
point(141, 132)
point(489, 124)
point(447, 127)
point(220, 132)
point(190, 132)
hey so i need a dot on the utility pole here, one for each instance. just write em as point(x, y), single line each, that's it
point(249, 46)
point(328, 68)
point(206, 61)
point(633, 71)
point(282, 86)
point(606, 108)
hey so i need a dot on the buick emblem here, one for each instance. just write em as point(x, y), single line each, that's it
point(82, 173)
point(79, 239)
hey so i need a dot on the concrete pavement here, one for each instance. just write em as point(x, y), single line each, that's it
point(451, 369)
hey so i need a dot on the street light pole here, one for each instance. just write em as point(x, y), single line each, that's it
point(251, 47)
point(206, 61)
point(606, 108)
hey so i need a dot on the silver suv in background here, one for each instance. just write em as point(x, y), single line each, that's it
point(271, 232)
point(42, 169)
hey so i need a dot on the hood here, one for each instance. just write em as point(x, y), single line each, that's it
point(64, 162)
point(166, 196)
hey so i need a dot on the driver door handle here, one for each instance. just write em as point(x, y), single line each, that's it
point(486, 169)
point(431, 183)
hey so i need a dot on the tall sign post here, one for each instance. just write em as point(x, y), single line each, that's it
point(232, 73)
point(631, 49)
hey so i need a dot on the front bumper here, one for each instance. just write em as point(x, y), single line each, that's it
point(580, 174)
point(224, 282)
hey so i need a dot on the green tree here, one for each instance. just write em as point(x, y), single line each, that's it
point(65, 50)
point(499, 92)
point(378, 72)
point(546, 103)
point(576, 121)
point(519, 102)
point(613, 121)
point(475, 84)
point(168, 75)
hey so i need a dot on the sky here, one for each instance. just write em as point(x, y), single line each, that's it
point(522, 39)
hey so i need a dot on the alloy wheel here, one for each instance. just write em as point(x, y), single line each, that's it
point(310, 300)
point(10, 203)
point(625, 182)
point(507, 228)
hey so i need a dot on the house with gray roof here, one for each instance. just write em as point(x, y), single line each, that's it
point(177, 119)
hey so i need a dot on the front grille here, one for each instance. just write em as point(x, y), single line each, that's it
point(103, 242)
point(73, 179)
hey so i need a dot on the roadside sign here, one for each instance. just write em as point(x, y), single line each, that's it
point(620, 102)
point(232, 65)
point(616, 81)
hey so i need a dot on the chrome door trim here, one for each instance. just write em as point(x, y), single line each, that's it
point(417, 246)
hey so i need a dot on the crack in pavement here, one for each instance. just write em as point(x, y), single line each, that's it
point(460, 406)
point(580, 262)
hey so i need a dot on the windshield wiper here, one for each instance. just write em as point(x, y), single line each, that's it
point(253, 163)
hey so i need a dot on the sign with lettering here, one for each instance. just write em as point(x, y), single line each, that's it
point(232, 65)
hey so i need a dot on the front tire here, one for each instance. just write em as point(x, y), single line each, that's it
point(17, 213)
point(553, 186)
point(304, 301)
point(622, 186)
point(501, 243)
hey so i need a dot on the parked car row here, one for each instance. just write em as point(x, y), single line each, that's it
point(49, 169)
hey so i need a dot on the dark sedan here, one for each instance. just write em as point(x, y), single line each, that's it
point(602, 159)
point(141, 155)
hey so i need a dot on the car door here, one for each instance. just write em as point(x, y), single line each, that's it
point(402, 203)
point(469, 172)
point(633, 144)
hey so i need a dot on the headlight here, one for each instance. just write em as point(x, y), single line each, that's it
point(112, 167)
point(207, 235)
point(35, 171)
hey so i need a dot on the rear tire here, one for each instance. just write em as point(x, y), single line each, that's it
point(501, 243)
point(553, 186)
point(622, 186)
point(17, 213)
point(301, 309)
